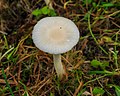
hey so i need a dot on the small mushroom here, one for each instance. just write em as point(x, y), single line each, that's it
point(55, 35)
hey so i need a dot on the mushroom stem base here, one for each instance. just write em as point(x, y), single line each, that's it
point(58, 65)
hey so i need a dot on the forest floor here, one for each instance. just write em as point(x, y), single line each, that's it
point(92, 66)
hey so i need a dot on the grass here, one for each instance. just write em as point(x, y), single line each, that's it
point(5, 78)
point(92, 66)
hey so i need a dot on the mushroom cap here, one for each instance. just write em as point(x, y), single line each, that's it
point(55, 35)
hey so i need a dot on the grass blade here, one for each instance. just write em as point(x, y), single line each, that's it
point(7, 82)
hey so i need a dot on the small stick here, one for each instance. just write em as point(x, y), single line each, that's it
point(49, 3)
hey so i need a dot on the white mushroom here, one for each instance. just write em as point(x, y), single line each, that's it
point(55, 35)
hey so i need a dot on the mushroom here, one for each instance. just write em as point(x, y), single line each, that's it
point(55, 35)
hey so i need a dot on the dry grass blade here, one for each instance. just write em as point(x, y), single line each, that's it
point(78, 89)
point(2, 81)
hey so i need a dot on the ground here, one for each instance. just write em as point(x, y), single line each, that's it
point(92, 66)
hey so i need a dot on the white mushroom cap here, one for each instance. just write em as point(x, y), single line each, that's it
point(55, 35)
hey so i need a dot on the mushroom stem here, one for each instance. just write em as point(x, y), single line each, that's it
point(58, 65)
